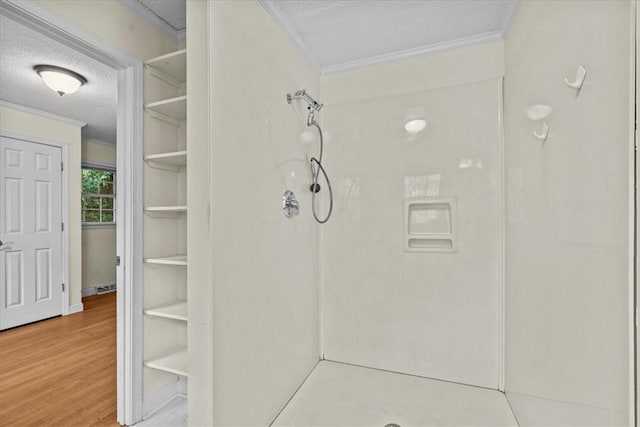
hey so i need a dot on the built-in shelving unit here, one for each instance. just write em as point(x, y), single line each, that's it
point(176, 311)
point(165, 223)
point(173, 361)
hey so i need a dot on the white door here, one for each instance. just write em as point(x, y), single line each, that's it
point(30, 231)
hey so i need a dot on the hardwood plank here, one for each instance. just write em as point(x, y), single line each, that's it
point(61, 371)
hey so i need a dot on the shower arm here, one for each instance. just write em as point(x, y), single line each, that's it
point(302, 94)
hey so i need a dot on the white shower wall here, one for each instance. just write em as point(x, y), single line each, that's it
point(253, 289)
point(431, 314)
point(569, 214)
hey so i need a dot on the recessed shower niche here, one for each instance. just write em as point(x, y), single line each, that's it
point(429, 225)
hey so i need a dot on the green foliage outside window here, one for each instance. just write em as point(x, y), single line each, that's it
point(98, 204)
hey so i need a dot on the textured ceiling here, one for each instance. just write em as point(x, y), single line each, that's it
point(173, 12)
point(94, 103)
point(337, 32)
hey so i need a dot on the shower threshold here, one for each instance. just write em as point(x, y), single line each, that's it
point(337, 394)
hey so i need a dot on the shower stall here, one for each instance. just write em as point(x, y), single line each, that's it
point(474, 261)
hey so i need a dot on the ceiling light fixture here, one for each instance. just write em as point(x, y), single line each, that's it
point(60, 80)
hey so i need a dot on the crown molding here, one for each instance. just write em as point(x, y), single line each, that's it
point(412, 53)
point(511, 15)
point(274, 11)
point(281, 19)
point(154, 20)
point(41, 113)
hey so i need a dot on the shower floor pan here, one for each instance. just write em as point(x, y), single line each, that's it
point(340, 395)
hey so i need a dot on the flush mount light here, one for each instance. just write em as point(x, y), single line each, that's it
point(60, 80)
point(414, 126)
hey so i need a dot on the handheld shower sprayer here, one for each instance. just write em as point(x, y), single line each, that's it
point(316, 164)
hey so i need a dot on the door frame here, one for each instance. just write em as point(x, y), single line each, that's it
point(129, 202)
point(64, 155)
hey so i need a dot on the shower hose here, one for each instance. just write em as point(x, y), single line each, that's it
point(316, 168)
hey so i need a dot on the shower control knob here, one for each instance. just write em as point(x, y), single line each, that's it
point(290, 205)
point(314, 188)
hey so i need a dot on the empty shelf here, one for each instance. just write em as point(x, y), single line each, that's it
point(173, 64)
point(165, 209)
point(175, 108)
point(174, 159)
point(174, 362)
point(168, 260)
point(176, 311)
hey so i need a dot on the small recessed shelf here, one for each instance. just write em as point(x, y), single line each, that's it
point(169, 260)
point(176, 311)
point(172, 110)
point(173, 65)
point(172, 161)
point(430, 225)
point(174, 361)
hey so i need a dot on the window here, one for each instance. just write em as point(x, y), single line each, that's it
point(98, 196)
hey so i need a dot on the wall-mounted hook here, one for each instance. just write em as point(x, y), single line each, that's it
point(544, 134)
point(581, 73)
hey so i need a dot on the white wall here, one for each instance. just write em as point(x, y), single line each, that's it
point(33, 124)
point(429, 314)
point(98, 244)
point(568, 215)
point(258, 312)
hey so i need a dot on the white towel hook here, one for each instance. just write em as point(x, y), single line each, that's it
point(580, 75)
point(544, 134)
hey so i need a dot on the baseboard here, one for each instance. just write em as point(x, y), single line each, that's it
point(76, 308)
point(89, 292)
point(160, 397)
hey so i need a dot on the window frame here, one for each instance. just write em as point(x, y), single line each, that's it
point(104, 167)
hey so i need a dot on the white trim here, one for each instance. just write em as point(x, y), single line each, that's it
point(281, 19)
point(90, 164)
point(76, 308)
point(41, 113)
point(64, 146)
point(98, 225)
point(159, 398)
point(502, 307)
point(39, 17)
point(511, 15)
point(412, 53)
point(633, 231)
point(154, 20)
point(129, 216)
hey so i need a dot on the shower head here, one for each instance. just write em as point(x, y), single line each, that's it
point(302, 94)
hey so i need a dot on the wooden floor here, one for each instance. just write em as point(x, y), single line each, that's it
point(62, 371)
